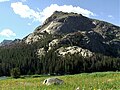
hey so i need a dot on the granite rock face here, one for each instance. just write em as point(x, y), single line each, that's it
point(74, 49)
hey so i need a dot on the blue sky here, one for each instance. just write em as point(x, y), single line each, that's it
point(18, 18)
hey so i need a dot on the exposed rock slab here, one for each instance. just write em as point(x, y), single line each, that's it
point(74, 49)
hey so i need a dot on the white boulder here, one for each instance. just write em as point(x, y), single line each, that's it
point(54, 81)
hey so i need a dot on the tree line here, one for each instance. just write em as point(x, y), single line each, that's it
point(23, 58)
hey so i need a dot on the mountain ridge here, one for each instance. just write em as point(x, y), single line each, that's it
point(72, 29)
point(97, 36)
point(10, 42)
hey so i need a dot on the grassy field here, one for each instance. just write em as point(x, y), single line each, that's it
point(85, 81)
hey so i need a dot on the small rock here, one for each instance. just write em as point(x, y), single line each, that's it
point(78, 88)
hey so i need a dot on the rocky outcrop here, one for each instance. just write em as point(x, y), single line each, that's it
point(41, 52)
point(31, 38)
point(74, 49)
point(53, 43)
point(51, 81)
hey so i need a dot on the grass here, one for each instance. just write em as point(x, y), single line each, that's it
point(85, 81)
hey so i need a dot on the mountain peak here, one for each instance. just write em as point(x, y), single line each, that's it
point(5, 42)
point(58, 12)
point(78, 30)
point(9, 42)
point(64, 13)
point(63, 22)
point(61, 12)
point(59, 15)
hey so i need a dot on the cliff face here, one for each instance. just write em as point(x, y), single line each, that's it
point(74, 30)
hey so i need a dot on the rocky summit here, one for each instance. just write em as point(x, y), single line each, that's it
point(75, 33)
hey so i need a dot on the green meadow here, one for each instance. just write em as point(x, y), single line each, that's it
point(85, 81)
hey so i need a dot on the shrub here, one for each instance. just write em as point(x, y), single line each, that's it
point(15, 72)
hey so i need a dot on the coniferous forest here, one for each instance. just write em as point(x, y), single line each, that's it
point(23, 56)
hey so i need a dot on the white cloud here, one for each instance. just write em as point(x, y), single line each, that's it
point(40, 15)
point(23, 0)
point(7, 33)
point(110, 16)
point(24, 11)
point(29, 24)
point(4, 0)
point(65, 8)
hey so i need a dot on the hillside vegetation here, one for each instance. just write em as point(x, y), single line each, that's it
point(85, 81)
